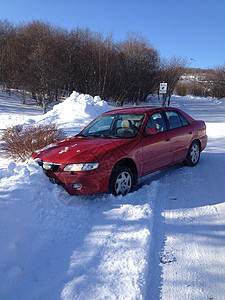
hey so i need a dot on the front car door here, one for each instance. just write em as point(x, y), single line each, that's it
point(156, 147)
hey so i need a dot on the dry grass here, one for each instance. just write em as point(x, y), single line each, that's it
point(19, 142)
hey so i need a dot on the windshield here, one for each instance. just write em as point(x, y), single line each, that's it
point(114, 126)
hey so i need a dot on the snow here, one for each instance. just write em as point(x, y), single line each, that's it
point(163, 241)
point(75, 112)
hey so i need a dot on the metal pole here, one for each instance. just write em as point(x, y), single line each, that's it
point(194, 73)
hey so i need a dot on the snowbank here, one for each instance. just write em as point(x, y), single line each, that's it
point(75, 112)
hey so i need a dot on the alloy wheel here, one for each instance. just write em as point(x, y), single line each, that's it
point(194, 153)
point(123, 183)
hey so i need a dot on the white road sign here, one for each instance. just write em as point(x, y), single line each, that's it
point(163, 88)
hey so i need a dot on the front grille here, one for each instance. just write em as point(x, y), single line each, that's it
point(50, 167)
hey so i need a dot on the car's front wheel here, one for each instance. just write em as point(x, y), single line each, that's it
point(193, 155)
point(121, 180)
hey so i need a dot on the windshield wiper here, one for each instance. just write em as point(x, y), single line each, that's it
point(81, 134)
point(111, 137)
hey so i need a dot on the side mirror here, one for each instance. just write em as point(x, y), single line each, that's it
point(151, 131)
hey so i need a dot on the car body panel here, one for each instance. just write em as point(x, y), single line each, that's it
point(80, 149)
point(147, 153)
point(157, 151)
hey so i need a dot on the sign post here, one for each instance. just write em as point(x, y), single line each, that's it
point(163, 88)
point(163, 91)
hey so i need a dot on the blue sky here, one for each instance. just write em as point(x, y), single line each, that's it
point(186, 28)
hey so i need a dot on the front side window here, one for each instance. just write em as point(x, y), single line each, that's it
point(157, 122)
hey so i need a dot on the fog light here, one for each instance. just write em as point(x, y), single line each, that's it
point(77, 185)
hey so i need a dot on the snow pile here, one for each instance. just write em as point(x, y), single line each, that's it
point(75, 112)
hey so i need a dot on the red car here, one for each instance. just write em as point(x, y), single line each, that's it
point(119, 146)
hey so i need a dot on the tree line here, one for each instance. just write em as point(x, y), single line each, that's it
point(210, 82)
point(49, 61)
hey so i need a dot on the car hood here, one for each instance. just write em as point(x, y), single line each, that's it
point(78, 150)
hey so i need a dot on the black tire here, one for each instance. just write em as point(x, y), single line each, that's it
point(193, 155)
point(121, 180)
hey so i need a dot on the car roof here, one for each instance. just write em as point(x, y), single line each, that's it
point(139, 110)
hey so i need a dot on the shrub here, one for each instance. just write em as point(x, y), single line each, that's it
point(182, 89)
point(20, 141)
point(200, 90)
point(196, 89)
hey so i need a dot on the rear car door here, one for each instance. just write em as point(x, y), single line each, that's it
point(180, 134)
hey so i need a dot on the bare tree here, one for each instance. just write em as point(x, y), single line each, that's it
point(170, 72)
point(138, 62)
point(216, 82)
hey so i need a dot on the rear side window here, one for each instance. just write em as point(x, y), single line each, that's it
point(183, 120)
point(173, 119)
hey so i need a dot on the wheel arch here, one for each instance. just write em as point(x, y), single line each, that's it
point(130, 164)
point(196, 139)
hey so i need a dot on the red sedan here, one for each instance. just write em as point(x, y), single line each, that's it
point(119, 146)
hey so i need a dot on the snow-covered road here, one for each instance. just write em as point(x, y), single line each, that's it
point(164, 241)
point(193, 210)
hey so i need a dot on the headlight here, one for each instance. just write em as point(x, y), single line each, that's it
point(81, 167)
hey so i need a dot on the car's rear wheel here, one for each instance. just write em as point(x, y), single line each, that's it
point(121, 180)
point(193, 155)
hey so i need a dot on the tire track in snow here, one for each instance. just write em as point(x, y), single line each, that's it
point(154, 278)
point(112, 261)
